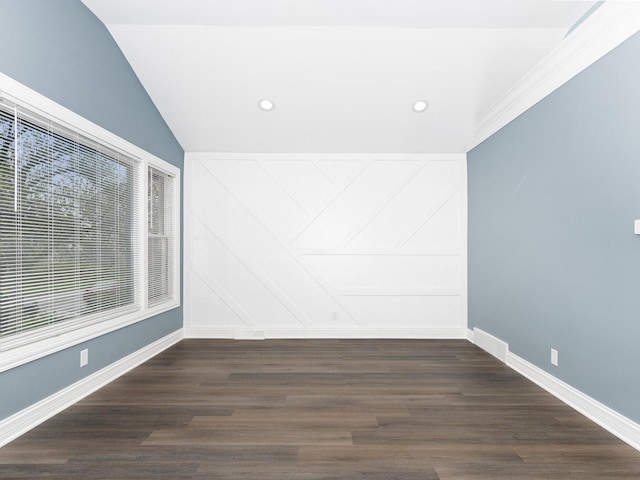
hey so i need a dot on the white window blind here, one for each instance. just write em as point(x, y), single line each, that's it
point(161, 237)
point(68, 217)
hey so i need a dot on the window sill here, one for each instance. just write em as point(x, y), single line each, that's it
point(20, 355)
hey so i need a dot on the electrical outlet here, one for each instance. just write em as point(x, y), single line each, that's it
point(335, 316)
point(554, 357)
point(84, 357)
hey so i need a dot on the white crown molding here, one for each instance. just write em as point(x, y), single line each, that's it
point(622, 427)
point(605, 29)
point(346, 333)
point(23, 421)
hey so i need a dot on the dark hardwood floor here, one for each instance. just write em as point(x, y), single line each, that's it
point(320, 409)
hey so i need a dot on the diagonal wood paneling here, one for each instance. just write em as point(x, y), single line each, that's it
point(308, 222)
point(212, 287)
point(347, 256)
point(427, 215)
point(262, 277)
point(261, 164)
point(382, 203)
point(263, 225)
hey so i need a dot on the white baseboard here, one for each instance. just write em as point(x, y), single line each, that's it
point(471, 336)
point(622, 427)
point(23, 421)
point(491, 344)
point(282, 333)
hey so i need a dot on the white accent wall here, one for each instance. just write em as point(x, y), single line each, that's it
point(325, 245)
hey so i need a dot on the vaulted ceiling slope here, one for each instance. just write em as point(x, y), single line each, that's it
point(343, 74)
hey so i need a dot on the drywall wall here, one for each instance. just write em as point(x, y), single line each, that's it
point(325, 245)
point(59, 49)
point(553, 260)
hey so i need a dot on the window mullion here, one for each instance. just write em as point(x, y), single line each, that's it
point(143, 234)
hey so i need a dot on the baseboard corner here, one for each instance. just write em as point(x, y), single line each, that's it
point(471, 335)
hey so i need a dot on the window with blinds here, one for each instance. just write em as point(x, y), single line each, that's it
point(161, 237)
point(69, 252)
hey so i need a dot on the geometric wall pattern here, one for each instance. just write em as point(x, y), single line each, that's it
point(326, 245)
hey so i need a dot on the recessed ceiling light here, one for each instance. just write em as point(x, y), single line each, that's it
point(266, 105)
point(420, 106)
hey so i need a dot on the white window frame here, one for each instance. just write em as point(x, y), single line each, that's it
point(13, 356)
point(171, 218)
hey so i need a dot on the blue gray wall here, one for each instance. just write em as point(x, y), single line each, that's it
point(553, 261)
point(61, 50)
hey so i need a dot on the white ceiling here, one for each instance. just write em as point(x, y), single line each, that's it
point(343, 73)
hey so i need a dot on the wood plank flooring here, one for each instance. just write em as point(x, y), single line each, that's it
point(319, 410)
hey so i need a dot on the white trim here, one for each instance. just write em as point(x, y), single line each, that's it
point(251, 157)
point(415, 227)
point(17, 356)
point(464, 274)
point(375, 210)
point(261, 276)
point(491, 344)
point(355, 316)
point(244, 334)
point(327, 173)
point(398, 292)
point(407, 252)
point(23, 421)
point(208, 161)
point(142, 229)
point(471, 336)
point(605, 29)
point(187, 232)
point(310, 219)
point(285, 190)
point(346, 333)
point(175, 175)
point(224, 296)
point(622, 427)
point(15, 92)
point(210, 332)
